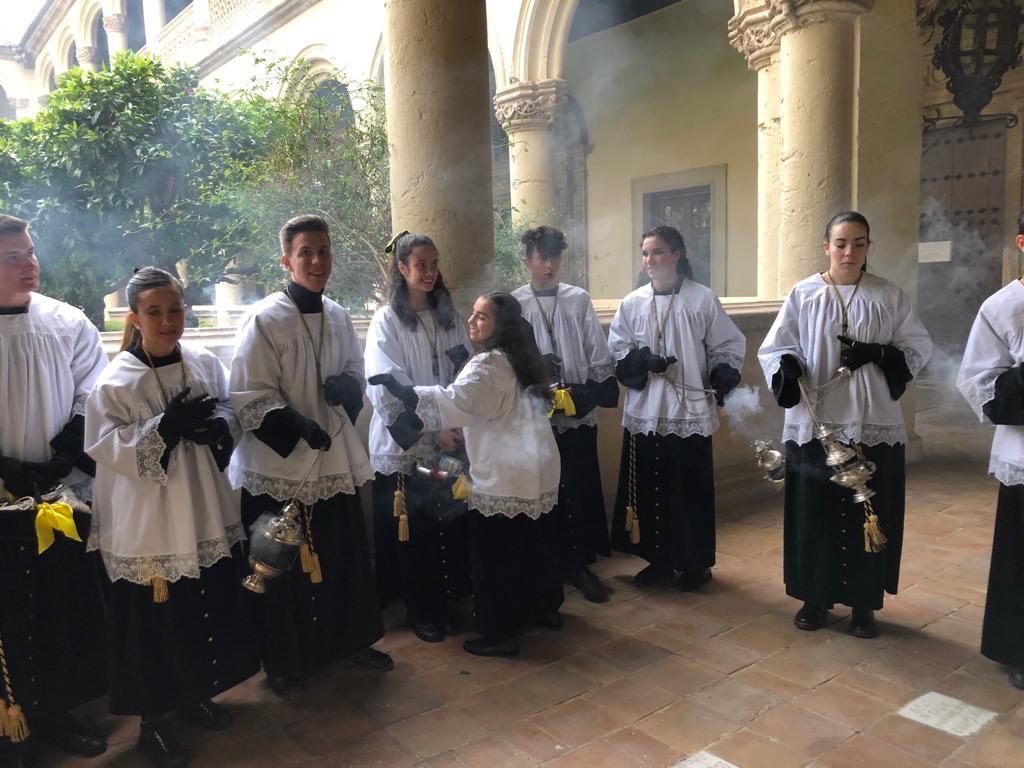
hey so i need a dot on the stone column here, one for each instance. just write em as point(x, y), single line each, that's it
point(154, 18)
point(527, 112)
point(88, 58)
point(19, 105)
point(440, 135)
point(751, 35)
point(817, 79)
point(226, 296)
point(117, 41)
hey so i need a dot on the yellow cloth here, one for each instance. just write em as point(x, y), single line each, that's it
point(562, 401)
point(460, 490)
point(54, 517)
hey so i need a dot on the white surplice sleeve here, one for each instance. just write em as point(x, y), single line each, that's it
point(986, 358)
point(385, 354)
point(255, 375)
point(88, 360)
point(117, 441)
point(783, 338)
point(599, 357)
point(724, 341)
point(910, 336)
point(479, 393)
point(621, 336)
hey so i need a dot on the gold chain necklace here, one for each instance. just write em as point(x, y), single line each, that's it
point(184, 374)
point(844, 305)
point(317, 350)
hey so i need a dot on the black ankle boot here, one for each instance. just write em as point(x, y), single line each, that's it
point(810, 617)
point(862, 624)
point(1017, 678)
point(159, 743)
point(206, 714)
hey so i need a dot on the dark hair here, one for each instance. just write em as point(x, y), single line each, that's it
point(513, 335)
point(548, 241)
point(307, 222)
point(12, 225)
point(844, 217)
point(144, 279)
point(674, 240)
point(439, 299)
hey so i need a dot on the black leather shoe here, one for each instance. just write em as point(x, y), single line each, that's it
point(206, 714)
point(589, 585)
point(159, 743)
point(862, 624)
point(429, 633)
point(689, 583)
point(550, 620)
point(481, 646)
point(75, 737)
point(1017, 678)
point(810, 618)
point(651, 575)
point(371, 658)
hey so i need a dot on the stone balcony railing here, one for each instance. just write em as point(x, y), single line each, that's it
point(177, 39)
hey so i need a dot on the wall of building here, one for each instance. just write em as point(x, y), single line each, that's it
point(665, 93)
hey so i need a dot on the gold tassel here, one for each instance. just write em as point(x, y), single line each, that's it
point(17, 727)
point(634, 532)
point(160, 594)
point(403, 527)
point(3, 718)
point(630, 517)
point(874, 537)
point(399, 507)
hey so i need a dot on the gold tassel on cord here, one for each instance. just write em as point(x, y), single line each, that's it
point(400, 511)
point(310, 562)
point(160, 594)
point(874, 537)
point(399, 507)
point(630, 517)
point(634, 532)
point(403, 527)
point(13, 724)
point(16, 728)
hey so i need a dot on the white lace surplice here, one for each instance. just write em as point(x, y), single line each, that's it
point(50, 358)
point(700, 334)
point(514, 462)
point(395, 348)
point(579, 340)
point(148, 522)
point(995, 345)
point(274, 367)
point(860, 408)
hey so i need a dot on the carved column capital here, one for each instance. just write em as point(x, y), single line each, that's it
point(114, 22)
point(18, 104)
point(789, 15)
point(751, 33)
point(530, 105)
point(88, 55)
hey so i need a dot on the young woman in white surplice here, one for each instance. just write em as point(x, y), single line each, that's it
point(514, 471)
point(161, 430)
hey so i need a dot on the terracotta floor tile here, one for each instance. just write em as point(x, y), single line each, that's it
point(937, 602)
point(447, 682)
point(766, 634)
point(803, 667)
point(748, 750)
point(576, 722)
point(685, 630)
point(596, 755)
point(758, 677)
point(327, 732)
point(918, 739)
point(864, 750)
point(687, 727)
point(630, 699)
point(893, 692)
point(800, 731)
point(436, 731)
point(629, 654)
point(843, 705)
point(721, 654)
point(999, 697)
point(526, 738)
point(994, 747)
point(596, 669)
point(640, 746)
point(552, 684)
point(444, 760)
point(678, 675)
point(392, 700)
point(735, 700)
point(586, 635)
point(378, 749)
point(497, 707)
point(911, 671)
point(633, 615)
point(492, 752)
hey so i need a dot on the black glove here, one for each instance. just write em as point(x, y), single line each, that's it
point(221, 442)
point(346, 391)
point(314, 434)
point(659, 364)
point(182, 413)
point(406, 429)
point(584, 398)
point(1007, 403)
point(791, 367)
point(855, 353)
point(724, 379)
point(458, 355)
point(553, 366)
point(632, 369)
point(403, 392)
point(208, 431)
point(22, 478)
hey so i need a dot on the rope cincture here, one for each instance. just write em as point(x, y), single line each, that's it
point(308, 558)
point(13, 724)
point(632, 519)
point(400, 510)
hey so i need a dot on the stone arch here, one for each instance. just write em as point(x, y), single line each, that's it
point(542, 33)
point(91, 12)
point(65, 43)
point(45, 73)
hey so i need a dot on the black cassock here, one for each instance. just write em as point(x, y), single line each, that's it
point(579, 519)
point(431, 570)
point(52, 619)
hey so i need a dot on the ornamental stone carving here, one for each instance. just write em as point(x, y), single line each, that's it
point(87, 55)
point(114, 22)
point(751, 34)
point(788, 15)
point(530, 105)
point(18, 104)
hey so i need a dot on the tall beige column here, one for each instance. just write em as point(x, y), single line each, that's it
point(527, 112)
point(88, 58)
point(439, 133)
point(117, 40)
point(751, 34)
point(154, 19)
point(817, 77)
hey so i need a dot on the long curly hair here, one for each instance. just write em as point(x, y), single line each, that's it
point(513, 335)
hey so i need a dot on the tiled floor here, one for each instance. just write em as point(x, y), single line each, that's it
point(658, 676)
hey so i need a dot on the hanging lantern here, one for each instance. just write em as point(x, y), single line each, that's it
point(979, 44)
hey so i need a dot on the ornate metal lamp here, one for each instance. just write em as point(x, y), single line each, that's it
point(980, 42)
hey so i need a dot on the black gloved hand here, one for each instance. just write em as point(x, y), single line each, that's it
point(855, 354)
point(403, 392)
point(22, 478)
point(314, 435)
point(553, 366)
point(346, 391)
point(584, 398)
point(183, 412)
point(458, 355)
point(791, 367)
point(724, 379)
point(208, 431)
point(658, 363)
point(406, 429)
point(632, 369)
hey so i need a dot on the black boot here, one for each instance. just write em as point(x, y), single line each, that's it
point(75, 737)
point(589, 585)
point(159, 743)
point(862, 624)
point(692, 582)
point(481, 646)
point(810, 617)
point(1017, 678)
point(206, 714)
point(651, 575)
